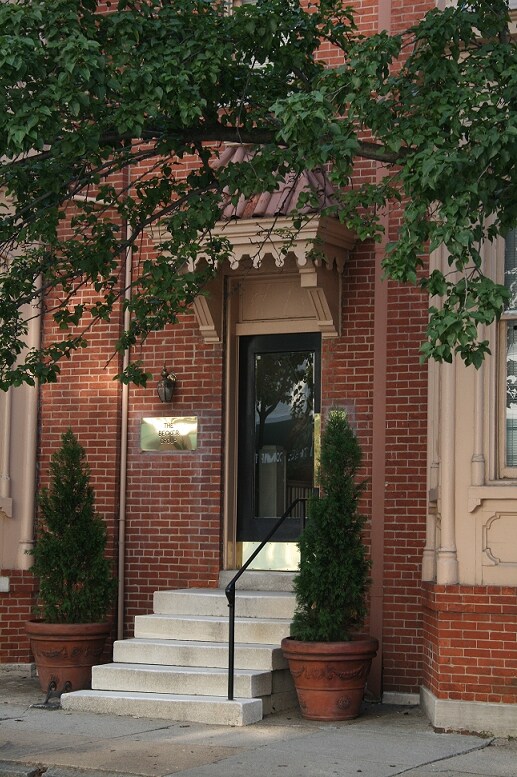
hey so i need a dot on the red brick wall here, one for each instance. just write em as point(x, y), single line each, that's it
point(86, 398)
point(405, 491)
point(15, 609)
point(470, 650)
point(174, 498)
point(347, 380)
point(173, 530)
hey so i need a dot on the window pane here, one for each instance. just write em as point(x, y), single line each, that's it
point(511, 395)
point(510, 268)
point(284, 420)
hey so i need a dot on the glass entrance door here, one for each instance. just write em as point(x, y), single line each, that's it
point(279, 396)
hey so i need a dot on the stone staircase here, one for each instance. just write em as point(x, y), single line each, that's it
point(175, 667)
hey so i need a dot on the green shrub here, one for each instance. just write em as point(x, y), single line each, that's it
point(76, 581)
point(333, 576)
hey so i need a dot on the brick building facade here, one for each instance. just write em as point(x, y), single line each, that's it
point(445, 616)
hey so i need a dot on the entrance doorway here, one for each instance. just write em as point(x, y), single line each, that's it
point(279, 400)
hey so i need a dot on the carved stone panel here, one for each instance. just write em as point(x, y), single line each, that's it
point(496, 545)
point(499, 540)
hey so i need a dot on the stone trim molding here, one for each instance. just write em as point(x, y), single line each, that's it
point(317, 253)
point(471, 716)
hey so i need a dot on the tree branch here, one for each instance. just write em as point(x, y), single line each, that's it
point(217, 133)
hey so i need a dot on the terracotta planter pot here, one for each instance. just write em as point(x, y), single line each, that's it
point(330, 677)
point(65, 653)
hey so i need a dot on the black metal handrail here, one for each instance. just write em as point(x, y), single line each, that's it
point(230, 594)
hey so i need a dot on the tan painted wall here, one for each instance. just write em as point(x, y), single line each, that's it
point(17, 505)
point(18, 429)
point(472, 525)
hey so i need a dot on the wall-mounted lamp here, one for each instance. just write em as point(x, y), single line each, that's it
point(166, 385)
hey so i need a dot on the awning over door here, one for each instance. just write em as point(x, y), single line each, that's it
point(264, 241)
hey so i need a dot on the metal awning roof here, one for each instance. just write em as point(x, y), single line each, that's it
point(282, 201)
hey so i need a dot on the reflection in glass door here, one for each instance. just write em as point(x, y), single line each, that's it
point(278, 399)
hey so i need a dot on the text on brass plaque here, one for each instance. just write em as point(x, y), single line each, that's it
point(169, 434)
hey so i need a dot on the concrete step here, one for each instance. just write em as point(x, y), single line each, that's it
point(248, 604)
point(190, 653)
point(211, 629)
point(283, 696)
point(256, 580)
point(193, 681)
point(175, 667)
point(168, 706)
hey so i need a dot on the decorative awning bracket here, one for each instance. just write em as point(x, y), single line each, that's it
point(318, 251)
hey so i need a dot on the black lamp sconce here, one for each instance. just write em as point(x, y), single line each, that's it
point(166, 385)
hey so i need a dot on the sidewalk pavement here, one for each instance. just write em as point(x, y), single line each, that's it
point(385, 741)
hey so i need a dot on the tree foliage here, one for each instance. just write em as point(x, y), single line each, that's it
point(333, 575)
point(76, 582)
point(86, 97)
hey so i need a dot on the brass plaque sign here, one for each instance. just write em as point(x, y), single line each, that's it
point(169, 433)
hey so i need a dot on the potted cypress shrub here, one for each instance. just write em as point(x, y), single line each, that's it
point(328, 660)
point(77, 586)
